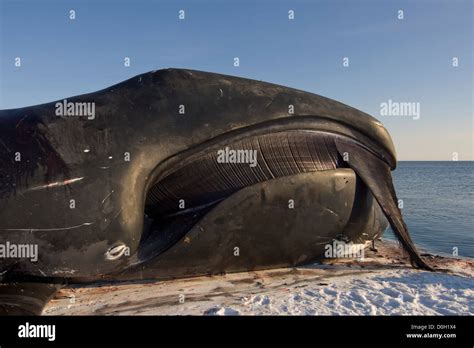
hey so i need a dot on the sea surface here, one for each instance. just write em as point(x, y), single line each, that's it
point(438, 205)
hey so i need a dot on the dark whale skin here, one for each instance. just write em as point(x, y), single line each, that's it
point(107, 166)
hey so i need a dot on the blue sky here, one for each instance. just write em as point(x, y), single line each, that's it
point(407, 60)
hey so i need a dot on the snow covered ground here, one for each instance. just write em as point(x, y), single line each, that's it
point(398, 292)
point(381, 284)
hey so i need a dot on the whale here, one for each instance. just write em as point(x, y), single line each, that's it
point(179, 173)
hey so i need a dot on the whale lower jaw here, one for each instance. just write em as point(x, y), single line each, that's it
point(279, 198)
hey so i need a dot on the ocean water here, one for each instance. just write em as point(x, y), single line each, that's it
point(438, 205)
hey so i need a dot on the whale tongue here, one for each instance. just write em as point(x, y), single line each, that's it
point(375, 173)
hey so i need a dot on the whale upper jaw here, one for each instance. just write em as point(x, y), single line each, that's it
point(254, 102)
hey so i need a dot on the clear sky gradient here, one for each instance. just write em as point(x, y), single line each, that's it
point(407, 60)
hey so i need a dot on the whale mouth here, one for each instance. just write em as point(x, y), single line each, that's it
point(233, 147)
point(187, 192)
point(182, 195)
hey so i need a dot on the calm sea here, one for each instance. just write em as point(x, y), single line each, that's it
point(438, 204)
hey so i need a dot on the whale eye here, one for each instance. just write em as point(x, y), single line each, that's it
point(177, 201)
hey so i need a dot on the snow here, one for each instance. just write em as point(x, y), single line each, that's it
point(382, 292)
point(398, 292)
point(382, 283)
